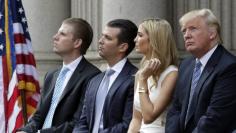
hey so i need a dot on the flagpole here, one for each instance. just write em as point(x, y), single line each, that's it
point(24, 106)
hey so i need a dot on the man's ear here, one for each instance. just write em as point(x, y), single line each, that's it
point(213, 33)
point(78, 43)
point(124, 47)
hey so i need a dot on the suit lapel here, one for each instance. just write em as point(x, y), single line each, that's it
point(124, 74)
point(119, 80)
point(212, 62)
point(52, 85)
point(74, 78)
point(93, 94)
point(48, 96)
point(203, 78)
point(188, 71)
point(94, 88)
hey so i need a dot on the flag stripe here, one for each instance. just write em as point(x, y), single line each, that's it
point(28, 70)
point(12, 118)
point(19, 122)
point(22, 48)
point(25, 59)
point(2, 115)
point(19, 38)
point(12, 100)
point(17, 28)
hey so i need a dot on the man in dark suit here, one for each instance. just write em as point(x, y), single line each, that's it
point(204, 100)
point(56, 108)
point(110, 110)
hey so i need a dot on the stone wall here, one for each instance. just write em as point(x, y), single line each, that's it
point(45, 17)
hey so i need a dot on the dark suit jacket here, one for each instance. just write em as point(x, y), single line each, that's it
point(214, 98)
point(117, 110)
point(70, 101)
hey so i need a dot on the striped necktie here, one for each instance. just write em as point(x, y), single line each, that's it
point(100, 99)
point(195, 78)
point(56, 96)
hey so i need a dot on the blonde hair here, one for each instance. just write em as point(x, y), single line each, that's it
point(209, 18)
point(162, 44)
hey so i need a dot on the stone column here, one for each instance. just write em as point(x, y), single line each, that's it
point(234, 25)
point(44, 19)
point(90, 10)
point(134, 10)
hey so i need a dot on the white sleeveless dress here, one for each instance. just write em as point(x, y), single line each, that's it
point(157, 126)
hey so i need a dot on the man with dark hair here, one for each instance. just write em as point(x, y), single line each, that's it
point(64, 88)
point(109, 98)
point(126, 33)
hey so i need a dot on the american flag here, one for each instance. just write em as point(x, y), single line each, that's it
point(18, 73)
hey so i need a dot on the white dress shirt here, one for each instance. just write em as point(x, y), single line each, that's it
point(204, 59)
point(117, 68)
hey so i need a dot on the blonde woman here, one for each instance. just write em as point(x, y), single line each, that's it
point(156, 77)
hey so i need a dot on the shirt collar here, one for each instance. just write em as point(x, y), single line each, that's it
point(72, 66)
point(207, 56)
point(118, 66)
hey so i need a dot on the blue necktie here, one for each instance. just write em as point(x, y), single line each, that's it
point(100, 99)
point(55, 98)
point(195, 78)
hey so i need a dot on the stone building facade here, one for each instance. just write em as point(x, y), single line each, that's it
point(45, 17)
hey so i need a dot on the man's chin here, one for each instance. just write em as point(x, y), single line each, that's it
point(100, 53)
point(137, 50)
point(56, 52)
point(189, 48)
